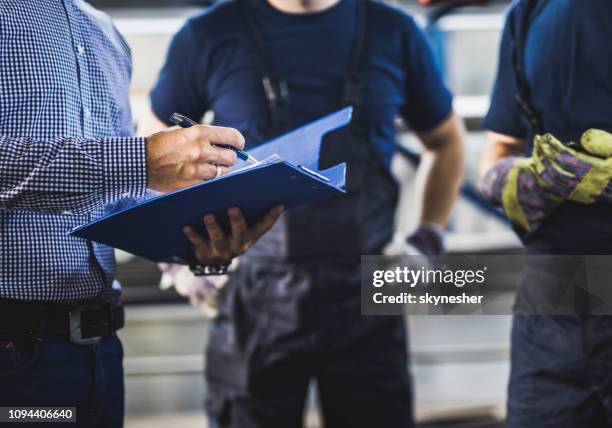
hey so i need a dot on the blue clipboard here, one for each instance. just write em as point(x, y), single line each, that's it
point(153, 229)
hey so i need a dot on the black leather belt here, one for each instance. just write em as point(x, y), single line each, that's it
point(84, 324)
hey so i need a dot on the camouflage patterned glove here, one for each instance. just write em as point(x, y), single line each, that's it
point(513, 183)
point(530, 189)
point(579, 176)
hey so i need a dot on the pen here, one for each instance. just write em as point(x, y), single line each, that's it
point(185, 122)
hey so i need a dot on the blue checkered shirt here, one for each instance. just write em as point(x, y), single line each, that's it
point(65, 147)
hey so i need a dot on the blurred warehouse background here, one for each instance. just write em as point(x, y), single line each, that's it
point(459, 364)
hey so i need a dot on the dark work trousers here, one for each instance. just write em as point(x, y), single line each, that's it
point(281, 325)
point(561, 373)
point(56, 373)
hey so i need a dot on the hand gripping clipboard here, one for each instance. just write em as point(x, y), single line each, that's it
point(288, 174)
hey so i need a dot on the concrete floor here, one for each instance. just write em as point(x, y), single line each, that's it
point(189, 420)
point(162, 421)
point(196, 420)
point(450, 355)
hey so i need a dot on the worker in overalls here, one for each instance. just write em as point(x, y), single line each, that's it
point(548, 164)
point(290, 312)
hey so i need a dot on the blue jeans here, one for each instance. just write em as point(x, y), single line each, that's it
point(55, 372)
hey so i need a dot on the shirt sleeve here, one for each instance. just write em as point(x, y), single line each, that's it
point(428, 100)
point(504, 115)
point(67, 175)
point(179, 86)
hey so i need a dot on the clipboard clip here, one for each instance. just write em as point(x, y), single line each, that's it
point(313, 173)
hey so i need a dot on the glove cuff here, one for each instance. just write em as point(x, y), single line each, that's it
point(427, 239)
point(491, 186)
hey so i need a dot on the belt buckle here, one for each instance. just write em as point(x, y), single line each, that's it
point(76, 332)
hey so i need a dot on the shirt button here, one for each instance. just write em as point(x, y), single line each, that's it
point(80, 49)
point(86, 113)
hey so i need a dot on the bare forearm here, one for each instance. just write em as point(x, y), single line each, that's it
point(441, 171)
point(496, 162)
point(499, 146)
point(442, 180)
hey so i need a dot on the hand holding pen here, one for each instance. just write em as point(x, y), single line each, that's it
point(185, 122)
point(177, 158)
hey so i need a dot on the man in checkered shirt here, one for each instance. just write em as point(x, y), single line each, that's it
point(65, 153)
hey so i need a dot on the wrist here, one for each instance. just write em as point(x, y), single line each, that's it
point(427, 239)
point(432, 227)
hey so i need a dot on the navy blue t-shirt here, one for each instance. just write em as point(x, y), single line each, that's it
point(568, 63)
point(212, 65)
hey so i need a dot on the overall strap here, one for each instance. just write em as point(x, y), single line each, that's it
point(275, 88)
point(523, 97)
point(353, 84)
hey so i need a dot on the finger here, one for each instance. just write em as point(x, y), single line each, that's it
point(219, 155)
point(268, 221)
point(207, 171)
point(195, 175)
point(238, 224)
point(194, 237)
point(221, 135)
point(215, 234)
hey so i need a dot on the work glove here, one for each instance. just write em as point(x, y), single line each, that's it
point(202, 291)
point(423, 246)
point(515, 184)
point(530, 189)
point(577, 175)
point(426, 240)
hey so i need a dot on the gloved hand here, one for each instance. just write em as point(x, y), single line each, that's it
point(514, 183)
point(580, 176)
point(530, 189)
point(202, 291)
point(427, 240)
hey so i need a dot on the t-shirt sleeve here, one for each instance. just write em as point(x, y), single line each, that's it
point(428, 100)
point(504, 114)
point(180, 86)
